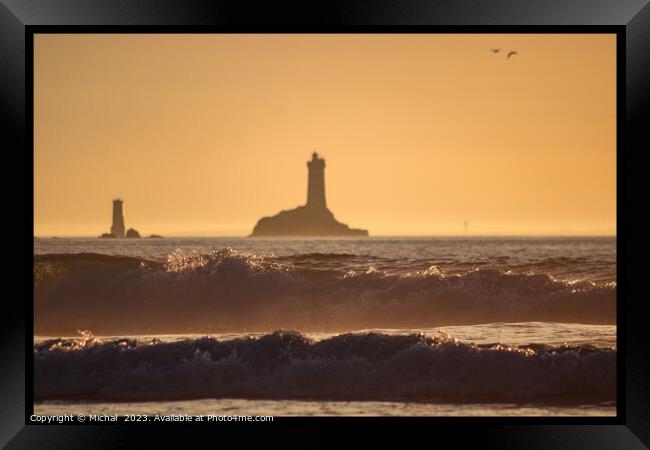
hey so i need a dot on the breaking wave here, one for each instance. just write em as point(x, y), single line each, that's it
point(232, 291)
point(287, 365)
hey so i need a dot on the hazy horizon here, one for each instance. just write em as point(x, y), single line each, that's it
point(202, 135)
point(239, 236)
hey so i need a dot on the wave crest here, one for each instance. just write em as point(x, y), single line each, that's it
point(234, 291)
point(288, 365)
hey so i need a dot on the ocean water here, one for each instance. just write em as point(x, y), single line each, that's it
point(376, 326)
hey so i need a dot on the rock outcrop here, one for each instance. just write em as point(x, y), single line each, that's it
point(132, 233)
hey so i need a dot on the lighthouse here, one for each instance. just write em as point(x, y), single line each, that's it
point(117, 229)
point(311, 219)
point(316, 184)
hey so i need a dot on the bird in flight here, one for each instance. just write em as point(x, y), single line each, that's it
point(495, 50)
point(513, 53)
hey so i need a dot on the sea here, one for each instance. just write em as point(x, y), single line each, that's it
point(379, 326)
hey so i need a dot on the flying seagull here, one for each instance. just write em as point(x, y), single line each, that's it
point(512, 54)
point(495, 50)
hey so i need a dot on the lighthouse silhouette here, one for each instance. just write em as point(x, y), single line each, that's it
point(311, 219)
point(117, 228)
point(316, 185)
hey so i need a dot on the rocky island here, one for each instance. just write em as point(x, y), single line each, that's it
point(132, 233)
point(312, 219)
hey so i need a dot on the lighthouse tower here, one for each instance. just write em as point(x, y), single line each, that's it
point(117, 229)
point(312, 219)
point(316, 186)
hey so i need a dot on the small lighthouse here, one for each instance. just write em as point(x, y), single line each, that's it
point(316, 186)
point(117, 229)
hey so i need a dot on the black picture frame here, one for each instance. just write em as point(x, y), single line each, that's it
point(628, 19)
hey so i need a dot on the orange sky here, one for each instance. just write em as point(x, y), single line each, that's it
point(205, 134)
